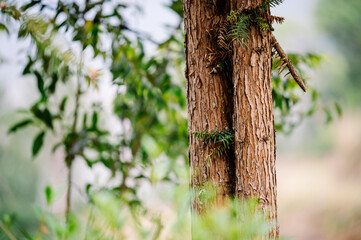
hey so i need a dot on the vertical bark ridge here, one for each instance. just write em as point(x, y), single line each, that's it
point(253, 118)
point(209, 99)
point(244, 4)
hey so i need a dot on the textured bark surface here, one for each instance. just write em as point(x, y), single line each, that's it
point(253, 118)
point(244, 4)
point(242, 101)
point(209, 98)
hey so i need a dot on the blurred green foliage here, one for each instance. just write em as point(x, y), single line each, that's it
point(17, 195)
point(341, 21)
point(109, 217)
point(150, 103)
point(153, 102)
point(286, 95)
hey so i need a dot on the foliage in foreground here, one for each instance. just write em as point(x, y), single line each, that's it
point(109, 217)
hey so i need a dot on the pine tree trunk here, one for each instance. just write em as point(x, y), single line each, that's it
point(240, 99)
point(255, 147)
point(209, 98)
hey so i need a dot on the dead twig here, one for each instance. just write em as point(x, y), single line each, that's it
point(289, 64)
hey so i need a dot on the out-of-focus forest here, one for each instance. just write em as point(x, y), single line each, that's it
point(319, 164)
point(106, 99)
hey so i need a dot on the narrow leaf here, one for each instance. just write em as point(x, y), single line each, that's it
point(19, 125)
point(94, 120)
point(4, 28)
point(40, 83)
point(47, 118)
point(48, 194)
point(329, 117)
point(38, 143)
point(56, 146)
point(338, 109)
point(28, 66)
point(62, 104)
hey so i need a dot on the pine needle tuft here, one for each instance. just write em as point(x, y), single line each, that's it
point(220, 139)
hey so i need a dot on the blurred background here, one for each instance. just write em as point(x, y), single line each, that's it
point(318, 163)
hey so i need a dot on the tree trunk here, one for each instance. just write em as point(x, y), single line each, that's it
point(255, 147)
point(209, 100)
point(238, 99)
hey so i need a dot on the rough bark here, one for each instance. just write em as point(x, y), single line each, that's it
point(209, 99)
point(242, 102)
point(253, 118)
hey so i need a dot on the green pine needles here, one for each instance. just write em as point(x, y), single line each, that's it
point(270, 3)
point(224, 137)
point(235, 27)
point(240, 21)
point(221, 140)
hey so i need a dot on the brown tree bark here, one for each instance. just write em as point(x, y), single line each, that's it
point(208, 97)
point(255, 147)
point(243, 102)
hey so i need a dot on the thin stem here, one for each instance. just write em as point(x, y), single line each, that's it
point(71, 155)
point(6, 231)
point(68, 193)
point(123, 187)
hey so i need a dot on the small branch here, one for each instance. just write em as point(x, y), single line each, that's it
point(124, 187)
point(70, 156)
point(276, 19)
point(290, 66)
point(6, 231)
point(68, 193)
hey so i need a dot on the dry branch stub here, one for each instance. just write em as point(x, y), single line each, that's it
point(287, 62)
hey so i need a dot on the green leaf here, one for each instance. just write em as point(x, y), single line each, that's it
point(338, 109)
point(63, 103)
point(85, 119)
point(269, 3)
point(45, 116)
point(54, 80)
point(177, 7)
point(38, 143)
point(56, 146)
point(94, 120)
point(28, 66)
point(40, 83)
point(87, 188)
point(4, 28)
point(19, 125)
point(311, 111)
point(36, 111)
point(48, 194)
point(30, 5)
point(329, 117)
point(315, 95)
